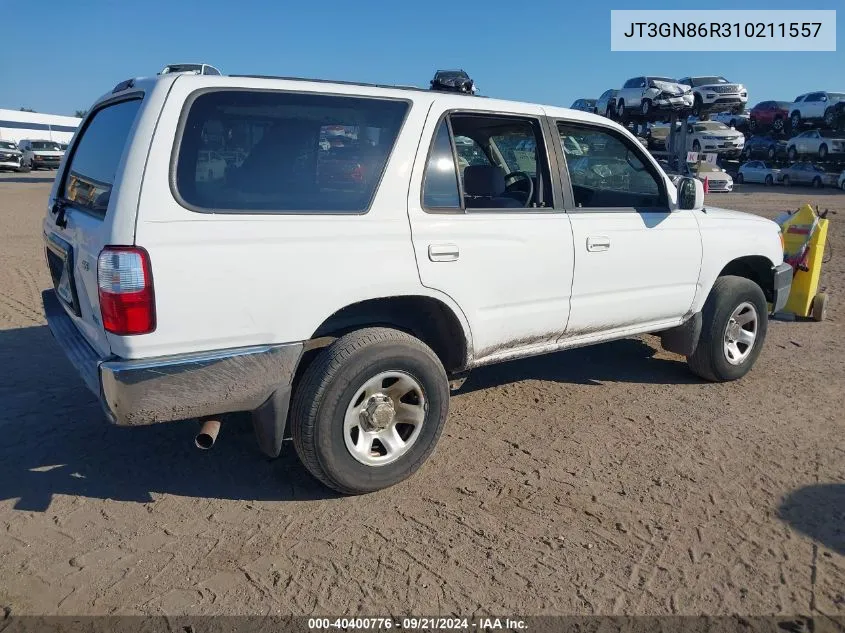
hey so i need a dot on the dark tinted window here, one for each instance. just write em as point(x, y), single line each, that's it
point(248, 151)
point(440, 190)
point(90, 175)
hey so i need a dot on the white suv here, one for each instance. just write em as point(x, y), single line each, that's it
point(716, 94)
point(814, 107)
point(338, 294)
point(646, 96)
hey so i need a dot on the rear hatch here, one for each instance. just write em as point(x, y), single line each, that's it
point(93, 203)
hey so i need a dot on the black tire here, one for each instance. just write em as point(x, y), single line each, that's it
point(740, 178)
point(645, 107)
point(697, 106)
point(778, 124)
point(829, 117)
point(791, 154)
point(769, 181)
point(771, 153)
point(795, 120)
point(752, 124)
point(817, 182)
point(329, 384)
point(708, 360)
point(696, 146)
point(620, 111)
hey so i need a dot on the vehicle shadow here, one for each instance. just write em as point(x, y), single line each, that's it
point(58, 442)
point(819, 512)
point(626, 360)
point(19, 179)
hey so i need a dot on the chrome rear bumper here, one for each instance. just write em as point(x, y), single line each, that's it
point(167, 388)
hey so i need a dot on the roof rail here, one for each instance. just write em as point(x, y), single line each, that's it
point(338, 81)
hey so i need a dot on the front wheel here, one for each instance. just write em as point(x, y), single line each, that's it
point(735, 318)
point(769, 181)
point(697, 106)
point(740, 178)
point(829, 117)
point(369, 410)
point(817, 182)
point(646, 107)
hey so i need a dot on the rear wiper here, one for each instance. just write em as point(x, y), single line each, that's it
point(58, 210)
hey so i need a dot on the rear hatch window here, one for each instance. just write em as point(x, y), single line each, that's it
point(245, 151)
point(93, 164)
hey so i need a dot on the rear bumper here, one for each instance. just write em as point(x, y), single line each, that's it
point(782, 278)
point(168, 388)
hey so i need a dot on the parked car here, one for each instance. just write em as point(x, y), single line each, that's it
point(38, 154)
point(189, 69)
point(584, 105)
point(657, 136)
point(834, 116)
point(714, 137)
point(812, 106)
point(718, 180)
point(815, 143)
point(737, 121)
point(643, 96)
point(10, 156)
point(769, 114)
point(715, 93)
point(606, 103)
point(342, 315)
point(758, 171)
point(806, 173)
point(210, 166)
point(765, 147)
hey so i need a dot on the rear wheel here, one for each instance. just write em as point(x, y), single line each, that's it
point(791, 154)
point(697, 106)
point(829, 117)
point(735, 323)
point(817, 182)
point(769, 181)
point(369, 410)
point(795, 119)
point(646, 107)
point(740, 178)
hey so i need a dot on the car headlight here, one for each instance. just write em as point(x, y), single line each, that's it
point(743, 94)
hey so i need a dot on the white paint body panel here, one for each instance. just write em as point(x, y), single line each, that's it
point(523, 282)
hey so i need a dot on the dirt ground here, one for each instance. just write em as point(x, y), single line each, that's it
point(606, 480)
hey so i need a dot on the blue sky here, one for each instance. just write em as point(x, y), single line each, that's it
point(547, 51)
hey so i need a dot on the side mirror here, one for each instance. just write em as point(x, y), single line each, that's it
point(690, 193)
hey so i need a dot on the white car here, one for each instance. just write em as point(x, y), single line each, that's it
point(714, 93)
point(718, 180)
point(40, 154)
point(714, 137)
point(815, 143)
point(210, 166)
point(731, 119)
point(812, 107)
point(10, 156)
point(758, 171)
point(645, 96)
point(344, 310)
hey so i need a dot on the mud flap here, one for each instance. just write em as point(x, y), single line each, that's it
point(270, 420)
point(683, 339)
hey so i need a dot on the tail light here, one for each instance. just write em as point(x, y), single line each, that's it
point(125, 283)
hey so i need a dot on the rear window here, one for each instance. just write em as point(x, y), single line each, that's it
point(298, 152)
point(93, 165)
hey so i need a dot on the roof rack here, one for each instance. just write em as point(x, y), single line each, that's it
point(340, 82)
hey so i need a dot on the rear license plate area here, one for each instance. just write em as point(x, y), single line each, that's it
point(60, 262)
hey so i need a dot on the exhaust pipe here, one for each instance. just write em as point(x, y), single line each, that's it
point(208, 434)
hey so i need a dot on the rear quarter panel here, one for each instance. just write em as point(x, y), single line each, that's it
point(226, 280)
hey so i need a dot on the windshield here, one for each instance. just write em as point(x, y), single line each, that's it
point(706, 81)
point(7, 145)
point(784, 105)
point(836, 95)
point(45, 146)
point(666, 79)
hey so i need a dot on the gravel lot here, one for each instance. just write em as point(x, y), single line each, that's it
point(605, 480)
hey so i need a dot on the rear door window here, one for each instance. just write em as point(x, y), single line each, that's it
point(93, 166)
point(284, 152)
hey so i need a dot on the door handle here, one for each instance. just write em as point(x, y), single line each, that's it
point(443, 252)
point(597, 243)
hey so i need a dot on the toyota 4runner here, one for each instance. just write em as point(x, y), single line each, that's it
point(341, 305)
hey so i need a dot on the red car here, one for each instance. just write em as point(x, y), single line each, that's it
point(769, 114)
